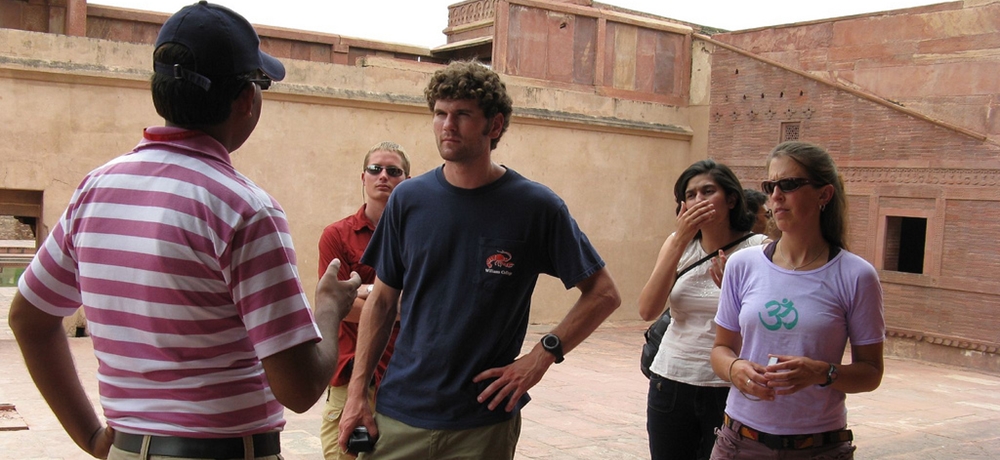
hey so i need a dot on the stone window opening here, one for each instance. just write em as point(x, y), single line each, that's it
point(905, 239)
point(20, 212)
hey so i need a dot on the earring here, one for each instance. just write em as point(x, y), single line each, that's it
point(822, 207)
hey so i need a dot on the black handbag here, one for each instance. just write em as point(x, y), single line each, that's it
point(653, 337)
point(654, 334)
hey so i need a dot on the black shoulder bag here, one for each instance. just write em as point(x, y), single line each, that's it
point(656, 330)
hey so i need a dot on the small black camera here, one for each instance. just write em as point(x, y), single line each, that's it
point(360, 441)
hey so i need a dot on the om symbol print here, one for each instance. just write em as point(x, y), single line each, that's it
point(779, 314)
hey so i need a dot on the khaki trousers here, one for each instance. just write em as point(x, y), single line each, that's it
point(399, 441)
point(329, 430)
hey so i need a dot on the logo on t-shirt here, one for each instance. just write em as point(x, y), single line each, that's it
point(498, 262)
point(779, 314)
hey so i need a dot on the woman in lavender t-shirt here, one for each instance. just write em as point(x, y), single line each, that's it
point(786, 313)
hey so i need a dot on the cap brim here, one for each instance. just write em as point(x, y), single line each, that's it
point(271, 67)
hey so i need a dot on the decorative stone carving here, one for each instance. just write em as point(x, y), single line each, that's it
point(930, 176)
point(973, 177)
point(955, 343)
point(471, 11)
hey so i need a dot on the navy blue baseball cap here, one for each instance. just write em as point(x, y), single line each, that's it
point(223, 43)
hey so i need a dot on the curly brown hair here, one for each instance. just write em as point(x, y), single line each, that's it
point(472, 80)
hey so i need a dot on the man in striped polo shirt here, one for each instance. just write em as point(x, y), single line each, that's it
point(186, 271)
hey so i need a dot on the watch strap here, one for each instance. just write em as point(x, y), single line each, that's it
point(831, 375)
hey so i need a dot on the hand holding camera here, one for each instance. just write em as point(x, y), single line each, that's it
point(360, 441)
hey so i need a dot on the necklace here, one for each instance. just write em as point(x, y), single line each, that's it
point(794, 268)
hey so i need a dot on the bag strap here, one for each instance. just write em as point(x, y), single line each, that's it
point(713, 254)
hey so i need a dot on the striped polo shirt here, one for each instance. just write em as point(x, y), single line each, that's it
point(186, 272)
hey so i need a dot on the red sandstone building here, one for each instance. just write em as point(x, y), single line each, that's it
point(907, 102)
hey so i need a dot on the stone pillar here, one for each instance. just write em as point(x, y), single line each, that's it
point(76, 18)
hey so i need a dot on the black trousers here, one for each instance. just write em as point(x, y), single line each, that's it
point(681, 419)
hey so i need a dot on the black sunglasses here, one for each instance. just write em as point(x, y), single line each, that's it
point(788, 184)
point(392, 171)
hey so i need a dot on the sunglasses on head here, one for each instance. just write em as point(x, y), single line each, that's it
point(392, 171)
point(264, 83)
point(788, 184)
point(261, 80)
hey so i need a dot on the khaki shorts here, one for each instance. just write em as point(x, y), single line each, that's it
point(399, 441)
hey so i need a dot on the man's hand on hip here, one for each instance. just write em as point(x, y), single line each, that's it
point(514, 379)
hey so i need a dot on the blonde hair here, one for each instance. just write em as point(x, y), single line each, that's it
point(393, 147)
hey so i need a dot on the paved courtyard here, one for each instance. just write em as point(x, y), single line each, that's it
point(592, 406)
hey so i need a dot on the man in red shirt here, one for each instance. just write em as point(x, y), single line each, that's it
point(386, 165)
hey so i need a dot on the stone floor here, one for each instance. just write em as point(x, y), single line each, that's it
point(593, 407)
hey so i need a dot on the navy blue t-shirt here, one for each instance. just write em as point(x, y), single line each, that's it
point(467, 262)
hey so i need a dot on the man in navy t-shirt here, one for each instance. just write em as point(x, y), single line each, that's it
point(464, 244)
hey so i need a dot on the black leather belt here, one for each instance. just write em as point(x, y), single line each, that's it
point(264, 444)
point(794, 441)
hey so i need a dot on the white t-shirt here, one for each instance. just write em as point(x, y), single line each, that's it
point(687, 344)
point(808, 313)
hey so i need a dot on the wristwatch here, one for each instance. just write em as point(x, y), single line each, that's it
point(552, 344)
point(831, 376)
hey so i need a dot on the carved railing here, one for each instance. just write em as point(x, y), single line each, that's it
point(471, 11)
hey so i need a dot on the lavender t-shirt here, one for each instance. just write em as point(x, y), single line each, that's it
point(801, 313)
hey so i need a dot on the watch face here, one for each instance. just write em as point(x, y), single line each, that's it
point(551, 344)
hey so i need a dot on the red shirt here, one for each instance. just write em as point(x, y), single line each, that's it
point(346, 240)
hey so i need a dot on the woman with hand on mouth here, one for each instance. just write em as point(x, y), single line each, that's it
point(686, 398)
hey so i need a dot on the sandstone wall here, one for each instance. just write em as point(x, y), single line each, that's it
point(68, 104)
point(897, 162)
point(941, 59)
